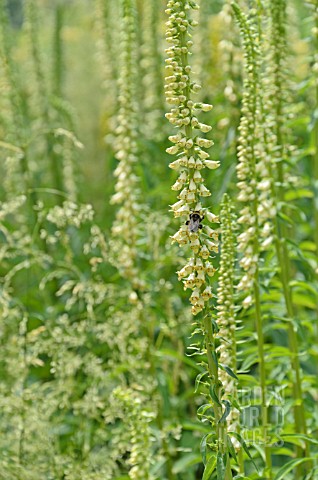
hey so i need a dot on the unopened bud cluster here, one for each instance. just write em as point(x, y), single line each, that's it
point(151, 70)
point(125, 227)
point(190, 148)
point(225, 297)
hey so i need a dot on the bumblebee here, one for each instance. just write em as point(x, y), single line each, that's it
point(194, 222)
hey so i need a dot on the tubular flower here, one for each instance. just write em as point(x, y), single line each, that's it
point(190, 147)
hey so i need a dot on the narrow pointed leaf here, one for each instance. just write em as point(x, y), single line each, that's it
point(209, 468)
point(281, 474)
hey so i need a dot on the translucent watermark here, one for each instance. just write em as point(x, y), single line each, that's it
point(250, 418)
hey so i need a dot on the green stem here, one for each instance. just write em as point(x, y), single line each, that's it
point(285, 271)
point(207, 323)
point(258, 314)
point(252, 92)
point(315, 154)
point(214, 381)
point(284, 274)
point(292, 336)
point(23, 334)
point(261, 357)
point(58, 50)
point(241, 461)
point(278, 40)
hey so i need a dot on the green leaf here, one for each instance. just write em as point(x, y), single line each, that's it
point(198, 380)
point(240, 477)
point(229, 371)
point(245, 447)
point(231, 447)
point(195, 427)
point(203, 447)
point(215, 358)
point(173, 355)
point(303, 300)
point(290, 436)
point(214, 396)
point(248, 379)
point(280, 475)
point(215, 326)
point(185, 462)
point(248, 362)
point(203, 408)
point(235, 403)
point(309, 246)
point(220, 466)
point(285, 217)
point(209, 468)
point(226, 411)
point(304, 286)
point(301, 193)
point(284, 451)
point(310, 475)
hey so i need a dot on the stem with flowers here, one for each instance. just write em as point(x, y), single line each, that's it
point(190, 147)
point(252, 173)
point(126, 225)
point(226, 320)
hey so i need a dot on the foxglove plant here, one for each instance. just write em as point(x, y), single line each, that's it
point(137, 419)
point(252, 170)
point(125, 228)
point(190, 147)
point(276, 100)
point(254, 193)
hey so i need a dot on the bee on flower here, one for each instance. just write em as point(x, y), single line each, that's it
point(189, 145)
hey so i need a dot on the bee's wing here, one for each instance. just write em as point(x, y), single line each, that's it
point(193, 225)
